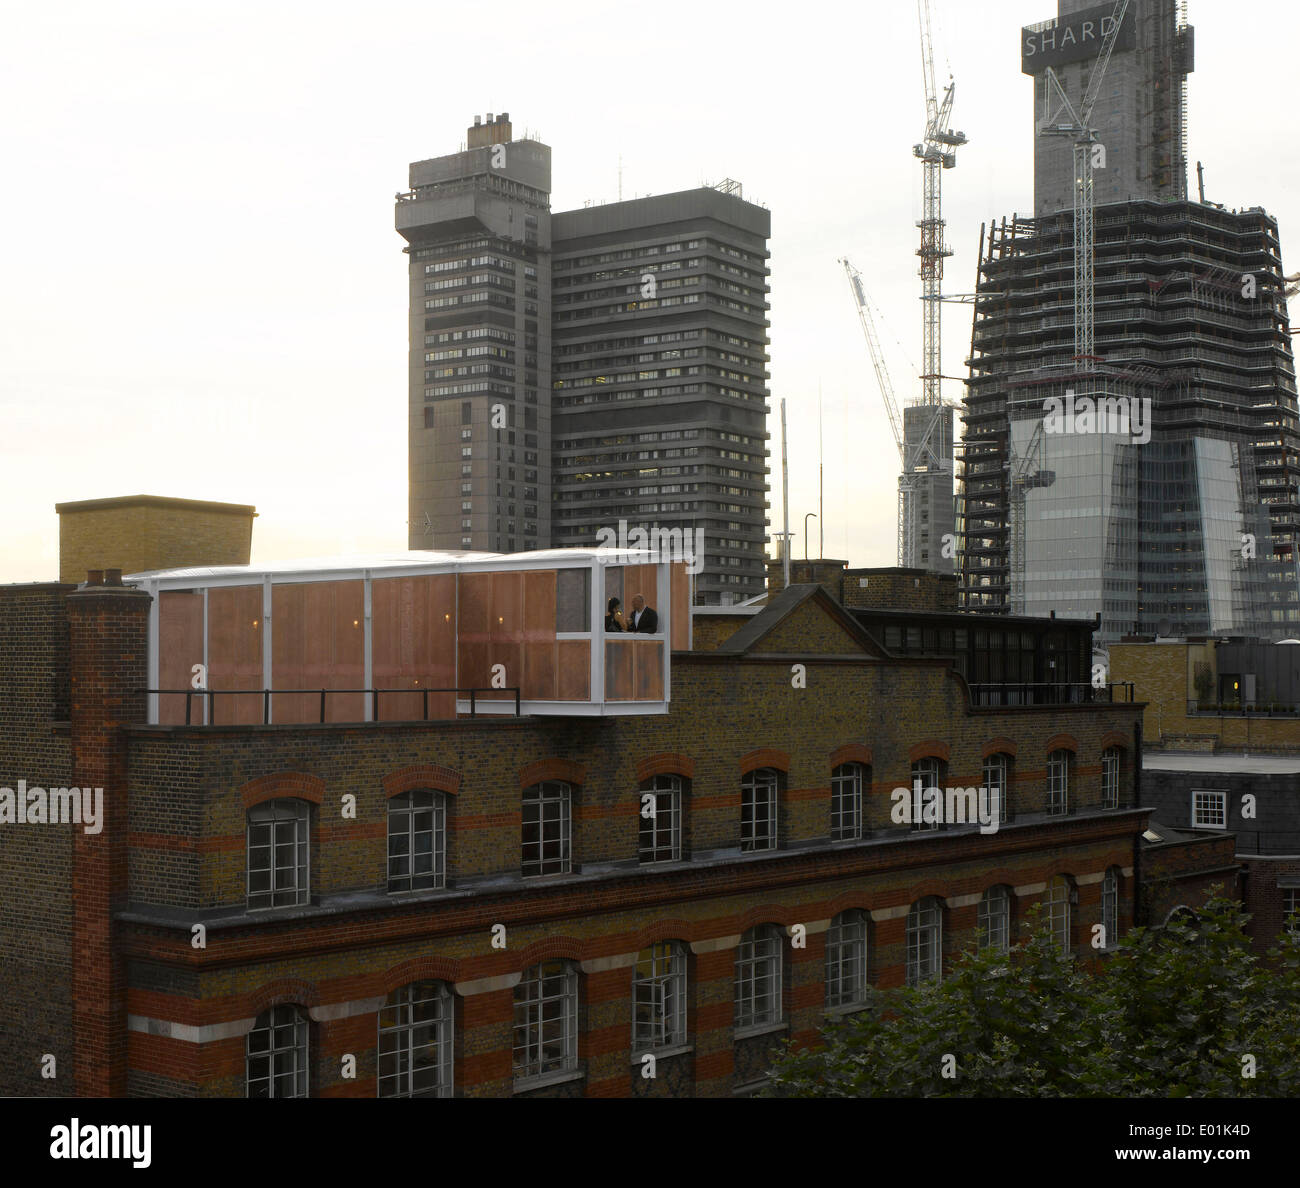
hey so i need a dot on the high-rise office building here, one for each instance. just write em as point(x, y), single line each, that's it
point(1155, 483)
point(478, 229)
point(641, 401)
point(660, 337)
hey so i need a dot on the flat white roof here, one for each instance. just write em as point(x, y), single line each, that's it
point(1227, 764)
point(357, 564)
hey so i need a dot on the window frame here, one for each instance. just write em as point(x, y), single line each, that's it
point(1111, 769)
point(924, 941)
point(926, 762)
point(1058, 783)
point(541, 794)
point(402, 1034)
point(760, 961)
point(437, 831)
point(1110, 905)
point(993, 928)
point(672, 787)
point(765, 781)
point(998, 761)
point(280, 1015)
point(847, 782)
point(1222, 798)
point(847, 948)
point(662, 989)
point(284, 811)
point(1060, 922)
point(531, 995)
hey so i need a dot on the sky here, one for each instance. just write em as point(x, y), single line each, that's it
point(202, 294)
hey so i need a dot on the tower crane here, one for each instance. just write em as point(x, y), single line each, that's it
point(936, 152)
point(913, 455)
point(1057, 107)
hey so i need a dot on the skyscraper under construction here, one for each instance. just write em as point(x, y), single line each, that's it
point(1156, 480)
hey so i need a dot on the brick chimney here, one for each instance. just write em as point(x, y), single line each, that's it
point(108, 641)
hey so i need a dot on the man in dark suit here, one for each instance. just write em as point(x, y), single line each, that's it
point(643, 618)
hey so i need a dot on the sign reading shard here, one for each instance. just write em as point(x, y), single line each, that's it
point(1073, 38)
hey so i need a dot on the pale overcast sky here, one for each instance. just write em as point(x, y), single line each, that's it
point(203, 294)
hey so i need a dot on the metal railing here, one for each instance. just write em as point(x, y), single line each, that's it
point(1010, 693)
point(266, 694)
point(1217, 710)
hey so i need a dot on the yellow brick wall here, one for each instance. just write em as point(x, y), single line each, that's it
point(149, 535)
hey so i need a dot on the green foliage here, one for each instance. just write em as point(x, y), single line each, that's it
point(1171, 1012)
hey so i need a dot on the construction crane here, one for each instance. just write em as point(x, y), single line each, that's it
point(906, 502)
point(936, 152)
point(1078, 127)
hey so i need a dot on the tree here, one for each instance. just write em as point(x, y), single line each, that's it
point(1170, 1012)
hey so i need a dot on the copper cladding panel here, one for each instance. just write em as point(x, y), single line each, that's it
point(540, 678)
point(620, 680)
point(318, 642)
point(574, 670)
point(649, 669)
point(180, 647)
point(235, 651)
point(681, 587)
point(413, 644)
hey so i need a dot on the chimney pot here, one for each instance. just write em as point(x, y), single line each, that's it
point(94, 577)
point(490, 119)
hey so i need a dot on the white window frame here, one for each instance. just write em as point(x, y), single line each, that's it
point(546, 1020)
point(930, 770)
point(758, 790)
point(288, 822)
point(846, 959)
point(415, 1045)
point(993, 918)
point(1110, 905)
point(925, 941)
point(403, 818)
point(995, 774)
point(1058, 783)
point(664, 828)
point(847, 781)
point(1110, 769)
point(295, 1053)
point(551, 803)
point(1057, 897)
point(760, 957)
point(1199, 806)
point(659, 997)
point(1291, 913)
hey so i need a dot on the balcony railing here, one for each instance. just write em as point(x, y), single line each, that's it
point(211, 695)
point(1005, 693)
point(1213, 709)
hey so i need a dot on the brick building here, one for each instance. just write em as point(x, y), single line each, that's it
point(480, 906)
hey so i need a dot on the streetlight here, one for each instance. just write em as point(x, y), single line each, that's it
point(809, 516)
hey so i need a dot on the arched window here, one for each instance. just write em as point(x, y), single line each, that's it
point(847, 782)
point(659, 997)
point(758, 810)
point(758, 977)
point(1110, 780)
point(278, 853)
point(994, 919)
point(546, 1020)
point(415, 1041)
point(661, 819)
point(929, 772)
point(1059, 893)
point(546, 828)
point(997, 781)
point(1058, 783)
point(1110, 905)
point(275, 1054)
point(846, 959)
point(924, 941)
point(417, 841)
